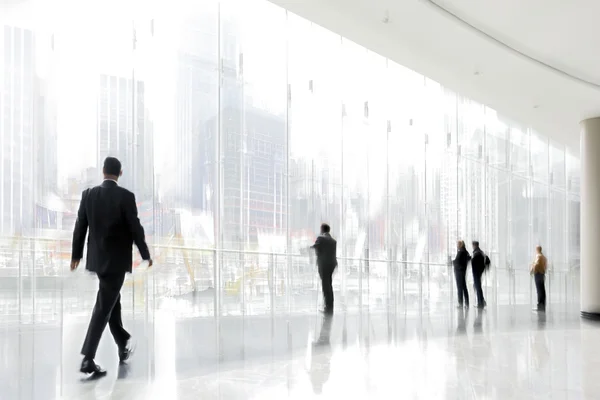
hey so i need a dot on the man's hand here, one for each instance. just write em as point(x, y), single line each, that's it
point(74, 264)
point(149, 263)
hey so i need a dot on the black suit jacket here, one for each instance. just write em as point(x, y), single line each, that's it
point(110, 212)
point(326, 247)
point(478, 261)
point(462, 259)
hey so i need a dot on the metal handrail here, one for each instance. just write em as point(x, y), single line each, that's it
point(233, 251)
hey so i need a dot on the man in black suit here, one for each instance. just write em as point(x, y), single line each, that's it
point(111, 214)
point(325, 247)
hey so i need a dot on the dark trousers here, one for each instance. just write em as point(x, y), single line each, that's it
point(106, 311)
point(461, 286)
point(326, 274)
point(477, 282)
point(541, 290)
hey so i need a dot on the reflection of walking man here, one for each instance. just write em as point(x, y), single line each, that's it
point(538, 270)
point(111, 214)
point(325, 246)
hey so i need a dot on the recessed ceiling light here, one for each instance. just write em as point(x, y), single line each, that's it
point(536, 106)
point(476, 73)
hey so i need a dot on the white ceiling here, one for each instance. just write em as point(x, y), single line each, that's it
point(537, 61)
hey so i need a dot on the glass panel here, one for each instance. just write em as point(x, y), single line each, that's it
point(557, 251)
point(573, 174)
point(253, 122)
point(315, 129)
point(539, 158)
point(177, 54)
point(557, 166)
point(539, 216)
point(377, 186)
point(355, 170)
point(519, 248)
point(440, 161)
point(471, 200)
point(498, 226)
point(406, 179)
point(471, 122)
point(497, 131)
point(519, 150)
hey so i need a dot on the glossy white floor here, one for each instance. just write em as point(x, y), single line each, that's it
point(501, 353)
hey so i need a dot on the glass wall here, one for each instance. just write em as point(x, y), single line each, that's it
point(242, 127)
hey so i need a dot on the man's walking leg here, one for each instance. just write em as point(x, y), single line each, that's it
point(108, 293)
point(115, 324)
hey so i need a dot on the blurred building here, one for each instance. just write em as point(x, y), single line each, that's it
point(27, 129)
point(205, 85)
point(254, 191)
point(125, 131)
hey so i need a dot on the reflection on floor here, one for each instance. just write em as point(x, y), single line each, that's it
point(500, 353)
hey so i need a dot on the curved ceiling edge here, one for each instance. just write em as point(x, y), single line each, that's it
point(449, 13)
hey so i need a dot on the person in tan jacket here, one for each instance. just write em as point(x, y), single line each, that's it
point(538, 270)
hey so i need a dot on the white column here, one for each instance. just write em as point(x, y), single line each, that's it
point(590, 218)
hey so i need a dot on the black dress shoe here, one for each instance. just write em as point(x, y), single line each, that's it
point(90, 367)
point(126, 352)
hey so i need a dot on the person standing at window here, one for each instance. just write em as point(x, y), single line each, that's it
point(325, 246)
point(461, 261)
point(479, 263)
point(538, 270)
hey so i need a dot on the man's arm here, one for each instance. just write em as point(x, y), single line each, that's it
point(317, 243)
point(535, 264)
point(79, 233)
point(137, 231)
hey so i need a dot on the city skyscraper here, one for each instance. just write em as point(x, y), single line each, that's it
point(211, 98)
point(125, 131)
point(27, 128)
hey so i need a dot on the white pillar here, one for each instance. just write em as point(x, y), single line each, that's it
point(590, 218)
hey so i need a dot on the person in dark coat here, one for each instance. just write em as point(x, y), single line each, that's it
point(110, 214)
point(478, 265)
point(461, 261)
point(326, 247)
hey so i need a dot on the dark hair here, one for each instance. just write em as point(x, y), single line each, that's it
point(325, 228)
point(112, 166)
point(475, 243)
